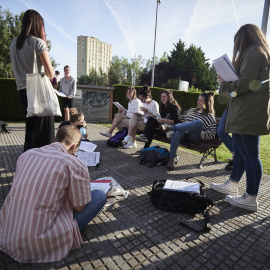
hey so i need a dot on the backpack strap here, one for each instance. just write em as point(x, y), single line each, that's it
point(207, 226)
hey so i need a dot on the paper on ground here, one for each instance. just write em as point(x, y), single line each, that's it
point(87, 146)
point(119, 106)
point(61, 94)
point(225, 68)
point(182, 186)
point(89, 158)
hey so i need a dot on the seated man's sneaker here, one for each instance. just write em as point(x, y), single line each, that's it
point(228, 187)
point(127, 139)
point(169, 134)
point(106, 134)
point(142, 138)
point(130, 145)
point(245, 201)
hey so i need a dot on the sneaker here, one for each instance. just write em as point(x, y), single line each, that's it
point(130, 145)
point(106, 134)
point(171, 164)
point(228, 187)
point(229, 166)
point(142, 138)
point(169, 134)
point(165, 128)
point(127, 139)
point(245, 201)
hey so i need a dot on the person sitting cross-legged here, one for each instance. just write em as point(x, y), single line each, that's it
point(150, 109)
point(49, 203)
point(199, 123)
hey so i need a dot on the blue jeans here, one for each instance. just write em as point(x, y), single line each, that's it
point(247, 158)
point(194, 128)
point(91, 209)
point(224, 136)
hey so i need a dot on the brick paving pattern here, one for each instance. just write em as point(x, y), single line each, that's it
point(133, 234)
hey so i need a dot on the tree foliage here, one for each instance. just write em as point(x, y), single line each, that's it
point(94, 78)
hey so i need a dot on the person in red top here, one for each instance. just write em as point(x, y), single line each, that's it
point(49, 203)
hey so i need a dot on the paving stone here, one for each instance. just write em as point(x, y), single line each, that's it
point(134, 234)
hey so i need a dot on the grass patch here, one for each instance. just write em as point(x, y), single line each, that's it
point(223, 154)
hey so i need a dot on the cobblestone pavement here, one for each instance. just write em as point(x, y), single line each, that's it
point(133, 234)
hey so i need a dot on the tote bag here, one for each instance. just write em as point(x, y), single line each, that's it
point(41, 97)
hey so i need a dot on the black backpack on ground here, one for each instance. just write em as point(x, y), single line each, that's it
point(154, 155)
point(116, 140)
point(182, 202)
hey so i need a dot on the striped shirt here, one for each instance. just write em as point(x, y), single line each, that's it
point(36, 220)
point(209, 123)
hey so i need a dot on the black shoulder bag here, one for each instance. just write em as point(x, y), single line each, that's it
point(182, 202)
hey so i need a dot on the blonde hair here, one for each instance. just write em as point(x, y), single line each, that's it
point(248, 35)
point(68, 135)
point(75, 115)
point(132, 90)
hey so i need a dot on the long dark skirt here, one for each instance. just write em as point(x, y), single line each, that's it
point(39, 130)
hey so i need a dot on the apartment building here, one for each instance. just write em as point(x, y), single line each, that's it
point(92, 53)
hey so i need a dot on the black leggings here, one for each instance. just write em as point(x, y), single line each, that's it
point(149, 130)
point(39, 131)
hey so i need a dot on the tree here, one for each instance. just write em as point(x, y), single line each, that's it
point(9, 28)
point(94, 78)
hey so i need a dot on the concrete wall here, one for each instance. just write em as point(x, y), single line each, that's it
point(95, 102)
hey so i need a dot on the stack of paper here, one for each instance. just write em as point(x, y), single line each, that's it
point(225, 69)
point(104, 185)
point(182, 186)
point(87, 155)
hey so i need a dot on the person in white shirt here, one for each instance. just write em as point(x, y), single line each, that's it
point(150, 109)
point(121, 119)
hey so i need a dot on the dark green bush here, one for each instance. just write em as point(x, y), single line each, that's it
point(10, 108)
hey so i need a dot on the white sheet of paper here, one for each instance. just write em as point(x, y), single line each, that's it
point(89, 158)
point(87, 146)
point(61, 94)
point(119, 106)
point(100, 186)
point(225, 68)
point(182, 186)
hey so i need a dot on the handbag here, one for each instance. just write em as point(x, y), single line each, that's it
point(182, 202)
point(41, 97)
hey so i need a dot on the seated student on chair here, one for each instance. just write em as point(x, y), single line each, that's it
point(170, 115)
point(49, 203)
point(121, 119)
point(199, 123)
point(150, 108)
point(76, 120)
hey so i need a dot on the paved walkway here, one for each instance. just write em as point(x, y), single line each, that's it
point(132, 234)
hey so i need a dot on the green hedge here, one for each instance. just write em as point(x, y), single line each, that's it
point(10, 108)
point(186, 100)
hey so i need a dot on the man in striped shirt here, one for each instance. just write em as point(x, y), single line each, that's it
point(49, 203)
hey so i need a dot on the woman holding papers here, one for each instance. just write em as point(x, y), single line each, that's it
point(150, 109)
point(39, 130)
point(169, 111)
point(248, 114)
point(68, 87)
point(200, 123)
point(121, 119)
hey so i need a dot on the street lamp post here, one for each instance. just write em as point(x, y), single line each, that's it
point(265, 16)
point(153, 68)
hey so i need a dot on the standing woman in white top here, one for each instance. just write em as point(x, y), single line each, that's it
point(121, 119)
point(68, 87)
point(150, 109)
point(39, 130)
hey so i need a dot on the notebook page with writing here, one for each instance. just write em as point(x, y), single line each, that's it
point(182, 186)
point(225, 68)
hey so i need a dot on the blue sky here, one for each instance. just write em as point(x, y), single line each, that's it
point(129, 25)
